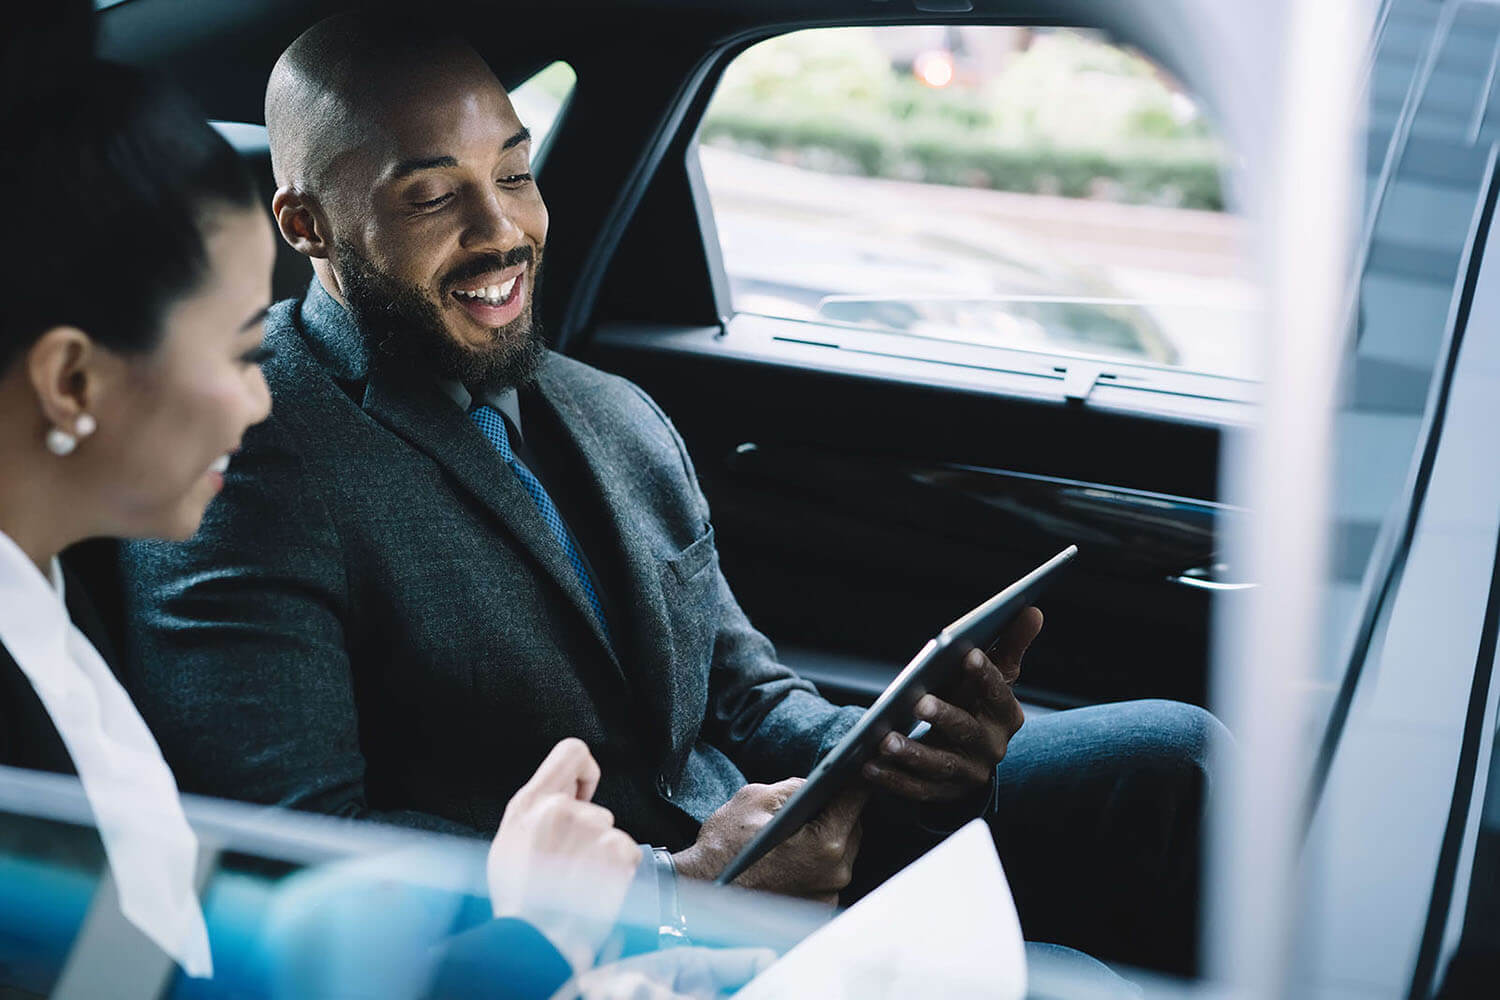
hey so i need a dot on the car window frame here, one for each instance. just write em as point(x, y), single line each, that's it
point(1152, 391)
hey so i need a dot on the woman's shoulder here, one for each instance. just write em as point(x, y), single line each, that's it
point(92, 587)
point(27, 736)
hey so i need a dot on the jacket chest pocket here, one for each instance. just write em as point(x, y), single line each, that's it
point(693, 560)
point(688, 582)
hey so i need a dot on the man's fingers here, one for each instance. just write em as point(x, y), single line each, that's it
point(930, 762)
point(781, 791)
point(1009, 649)
point(986, 678)
point(951, 722)
point(568, 770)
point(842, 814)
point(909, 786)
point(994, 700)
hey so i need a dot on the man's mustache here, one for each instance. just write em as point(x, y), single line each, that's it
point(489, 262)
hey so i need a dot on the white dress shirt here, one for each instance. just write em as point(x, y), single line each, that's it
point(151, 849)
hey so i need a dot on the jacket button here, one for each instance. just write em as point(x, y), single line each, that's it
point(663, 786)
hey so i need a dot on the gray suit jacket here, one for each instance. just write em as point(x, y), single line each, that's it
point(375, 621)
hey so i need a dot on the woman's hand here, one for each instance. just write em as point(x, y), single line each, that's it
point(557, 861)
point(674, 974)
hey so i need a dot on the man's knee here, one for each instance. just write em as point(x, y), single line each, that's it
point(1175, 734)
point(1169, 751)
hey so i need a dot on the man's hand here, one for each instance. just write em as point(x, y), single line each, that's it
point(557, 861)
point(816, 862)
point(970, 734)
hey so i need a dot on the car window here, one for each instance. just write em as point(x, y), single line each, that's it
point(1400, 695)
point(1428, 172)
point(1036, 189)
point(297, 905)
point(539, 100)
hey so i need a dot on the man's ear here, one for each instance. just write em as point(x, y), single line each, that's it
point(63, 369)
point(301, 221)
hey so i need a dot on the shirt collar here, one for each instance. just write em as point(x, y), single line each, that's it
point(507, 401)
point(19, 570)
point(33, 617)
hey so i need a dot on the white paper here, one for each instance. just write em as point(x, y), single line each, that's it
point(946, 926)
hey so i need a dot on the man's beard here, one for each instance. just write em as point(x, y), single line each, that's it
point(402, 323)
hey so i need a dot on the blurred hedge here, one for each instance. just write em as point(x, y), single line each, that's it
point(1183, 174)
point(1064, 112)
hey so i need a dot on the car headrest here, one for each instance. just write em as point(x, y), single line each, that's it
point(292, 271)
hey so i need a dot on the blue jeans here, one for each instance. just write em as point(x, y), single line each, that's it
point(1098, 827)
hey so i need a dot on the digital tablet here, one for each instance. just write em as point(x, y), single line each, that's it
point(933, 669)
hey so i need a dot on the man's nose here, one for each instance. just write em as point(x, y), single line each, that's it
point(489, 223)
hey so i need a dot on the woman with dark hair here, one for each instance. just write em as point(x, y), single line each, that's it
point(130, 344)
point(129, 352)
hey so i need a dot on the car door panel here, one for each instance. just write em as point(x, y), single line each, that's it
point(856, 517)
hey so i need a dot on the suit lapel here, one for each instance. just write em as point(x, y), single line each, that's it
point(416, 409)
point(646, 639)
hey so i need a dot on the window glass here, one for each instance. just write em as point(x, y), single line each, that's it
point(540, 99)
point(1018, 187)
point(538, 103)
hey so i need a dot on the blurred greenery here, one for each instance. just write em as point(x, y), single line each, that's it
point(1068, 115)
point(555, 80)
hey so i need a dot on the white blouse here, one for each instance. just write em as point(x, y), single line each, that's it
point(151, 849)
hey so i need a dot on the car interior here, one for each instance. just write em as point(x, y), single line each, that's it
point(855, 513)
point(867, 490)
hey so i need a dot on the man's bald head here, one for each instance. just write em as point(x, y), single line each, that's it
point(404, 174)
point(331, 84)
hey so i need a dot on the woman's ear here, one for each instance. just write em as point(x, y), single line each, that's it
point(62, 366)
point(300, 219)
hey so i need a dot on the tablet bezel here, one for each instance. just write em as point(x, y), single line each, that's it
point(933, 668)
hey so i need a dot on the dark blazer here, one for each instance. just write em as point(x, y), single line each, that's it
point(375, 621)
point(27, 736)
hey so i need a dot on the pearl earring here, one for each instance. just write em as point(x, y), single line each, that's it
point(61, 443)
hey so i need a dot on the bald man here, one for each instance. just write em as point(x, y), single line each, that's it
point(450, 547)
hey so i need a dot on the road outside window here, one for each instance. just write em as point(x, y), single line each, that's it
point(1038, 189)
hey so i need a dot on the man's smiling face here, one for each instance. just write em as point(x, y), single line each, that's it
point(438, 225)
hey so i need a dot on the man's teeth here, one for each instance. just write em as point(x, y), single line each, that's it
point(492, 295)
point(221, 465)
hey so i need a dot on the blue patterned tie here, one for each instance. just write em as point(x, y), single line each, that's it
point(492, 425)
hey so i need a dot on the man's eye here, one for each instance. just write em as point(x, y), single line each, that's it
point(259, 356)
point(432, 202)
point(515, 180)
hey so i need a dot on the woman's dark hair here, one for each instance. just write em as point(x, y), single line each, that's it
point(112, 181)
